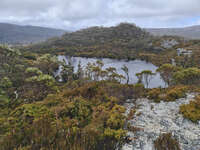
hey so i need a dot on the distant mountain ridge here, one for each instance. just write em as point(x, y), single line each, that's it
point(15, 34)
point(192, 32)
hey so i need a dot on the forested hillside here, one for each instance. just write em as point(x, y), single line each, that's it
point(122, 40)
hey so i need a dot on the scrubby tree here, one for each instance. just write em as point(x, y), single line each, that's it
point(125, 69)
point(145, 77)
point(88, 71)
point(80, 72)
point(113, 75)
point(37, 85)
point(67, 72)
point(95, 71)
point(166, 72)
point(47, 63)
point(189, 76)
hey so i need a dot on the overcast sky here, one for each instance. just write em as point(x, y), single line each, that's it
point(76, 14)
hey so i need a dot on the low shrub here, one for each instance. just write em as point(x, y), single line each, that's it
point(176, 93)
point(5, 83)
point(154, 94)
point(188, 76)
point(169, 94)
point(191, 111)
point(139, 90)
point(30, 56)
point(88, 115)
point(114, 89)
point(166, 142)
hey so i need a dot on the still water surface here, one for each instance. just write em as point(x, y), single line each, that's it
point(134, 66)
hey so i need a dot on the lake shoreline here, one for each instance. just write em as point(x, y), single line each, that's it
point(134, 66)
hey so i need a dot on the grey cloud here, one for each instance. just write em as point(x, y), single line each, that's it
point(75, 14)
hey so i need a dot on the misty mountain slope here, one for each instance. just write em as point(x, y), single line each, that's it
point(14, 34)
point(192, 32)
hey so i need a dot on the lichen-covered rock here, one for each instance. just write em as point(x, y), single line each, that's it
point(169, 43)
point(164, 117)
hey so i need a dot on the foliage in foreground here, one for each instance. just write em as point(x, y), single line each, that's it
point(81, 113)
point(82, 118)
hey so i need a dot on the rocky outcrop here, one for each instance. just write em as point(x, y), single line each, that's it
point(156, 118)
point(169, 43)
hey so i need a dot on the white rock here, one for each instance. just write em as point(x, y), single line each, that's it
point(163, 117)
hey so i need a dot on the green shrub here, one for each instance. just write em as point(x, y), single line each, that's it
point(169, 94)
point(176, 93)
point(191, 111)
point(3, 100)
point(30, 56)
point(5, 83)
point(189, 76)
point(154, 94)
point(89, 115)
point(139, 90)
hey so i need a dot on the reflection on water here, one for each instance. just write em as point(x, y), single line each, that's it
point(134, 67)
